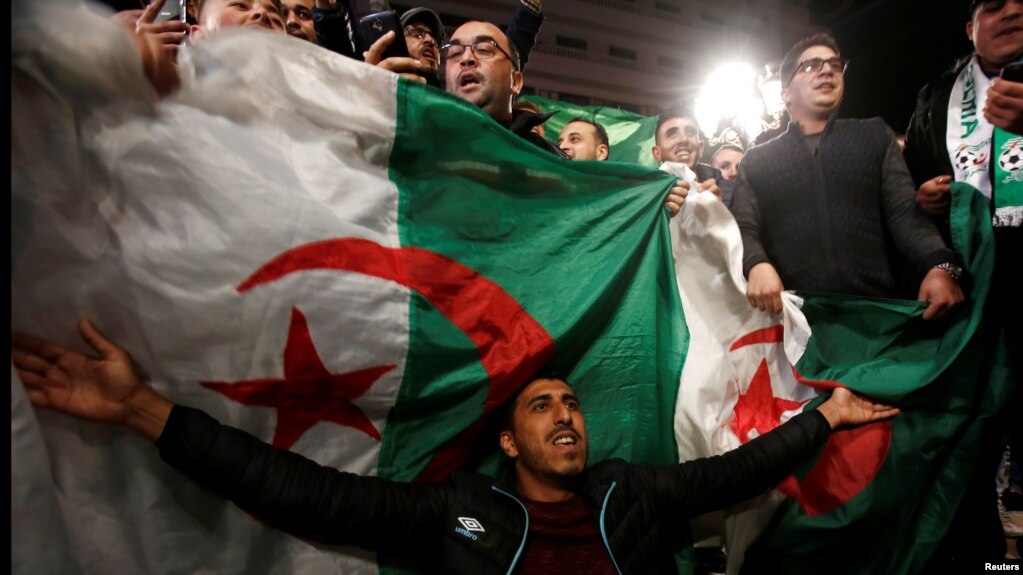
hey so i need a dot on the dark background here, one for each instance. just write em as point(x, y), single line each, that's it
point(895, 47)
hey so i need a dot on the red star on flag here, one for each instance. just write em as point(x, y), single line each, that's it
point(758, 408)
point(307, 393)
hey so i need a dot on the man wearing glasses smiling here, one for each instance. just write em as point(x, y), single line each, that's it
point(823, 205)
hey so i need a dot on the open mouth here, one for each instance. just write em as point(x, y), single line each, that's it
point(468, 80)
point(1009, 31)
point(565, 439)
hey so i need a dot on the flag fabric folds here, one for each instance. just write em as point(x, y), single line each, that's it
point(748, 371)
point(364, 270)
point(341, 263)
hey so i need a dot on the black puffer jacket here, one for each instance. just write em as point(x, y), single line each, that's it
point(926, 150)
point(471, 523)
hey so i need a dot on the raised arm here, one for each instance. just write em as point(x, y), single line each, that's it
point(706, 484)
point(283, 488)
point(106, 389)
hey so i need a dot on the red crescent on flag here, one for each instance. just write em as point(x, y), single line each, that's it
point(851, 458)
point(513, 346)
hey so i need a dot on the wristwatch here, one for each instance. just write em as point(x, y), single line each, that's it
point(953, 270)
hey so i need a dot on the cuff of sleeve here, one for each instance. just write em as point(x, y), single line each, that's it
point(752, 260)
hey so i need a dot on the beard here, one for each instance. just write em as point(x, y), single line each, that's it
point(563, 469)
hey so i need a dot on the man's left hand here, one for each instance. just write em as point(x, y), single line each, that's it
point(1004, 107)
point(711, 185)
point(941, 292)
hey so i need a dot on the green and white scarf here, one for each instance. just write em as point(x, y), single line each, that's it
point(972, 141)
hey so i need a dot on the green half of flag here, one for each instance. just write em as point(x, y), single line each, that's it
point(573, 271)
point(898, 485)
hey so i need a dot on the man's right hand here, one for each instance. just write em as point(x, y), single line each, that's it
point(677, 197)
point(765, 287)
point(105, 389)
point(169, 33)
point(408, 68)
point(933, 195)
point(1004, 107)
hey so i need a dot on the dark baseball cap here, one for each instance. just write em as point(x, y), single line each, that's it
point(428, 17)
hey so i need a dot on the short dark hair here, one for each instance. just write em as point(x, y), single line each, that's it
point(601, 135)
point(509, 407)
point(677, 112)
point(788, 65)
point(527, 106)
point(516, 59)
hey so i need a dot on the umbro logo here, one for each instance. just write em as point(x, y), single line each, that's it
point(468, 527)
point(471, 524)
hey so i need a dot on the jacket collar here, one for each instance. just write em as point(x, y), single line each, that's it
point(796, 131)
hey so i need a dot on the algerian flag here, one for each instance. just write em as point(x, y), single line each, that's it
point(341, 263)
point(879, 497)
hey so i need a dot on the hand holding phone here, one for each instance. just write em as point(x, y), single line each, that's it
point(1013, 72)
point(375, 26)
point(164, 20)
point(172, 10)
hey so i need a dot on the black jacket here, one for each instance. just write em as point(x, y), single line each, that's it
point(642, 511)
point(926, 151)
point(522, 125)
point(837, 220)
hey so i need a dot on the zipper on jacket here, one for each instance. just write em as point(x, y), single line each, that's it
point(603, 531)
point(825, 216)
point(525, 531)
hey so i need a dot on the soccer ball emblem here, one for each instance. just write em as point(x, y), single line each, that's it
point(1011, 159)
point(964, 159)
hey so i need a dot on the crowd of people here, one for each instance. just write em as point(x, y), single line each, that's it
point(831, 205)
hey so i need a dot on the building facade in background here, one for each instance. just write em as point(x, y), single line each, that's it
point(638, 55)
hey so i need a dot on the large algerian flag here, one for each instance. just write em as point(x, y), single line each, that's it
point(878, 498)
point(341, 263)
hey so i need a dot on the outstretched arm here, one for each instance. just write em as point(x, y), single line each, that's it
point(283, 488)
point(845, 407)
point(702, 485)
point(105, 388)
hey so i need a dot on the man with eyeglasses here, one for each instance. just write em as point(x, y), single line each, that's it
point(424, 34)
point(967, 127)
point(482, 67)
point(821, 205)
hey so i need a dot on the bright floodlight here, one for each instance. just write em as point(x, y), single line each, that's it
point(730, 94)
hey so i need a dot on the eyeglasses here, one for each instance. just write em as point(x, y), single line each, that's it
point(813, 65)
point(484, 49)
point(417, 33)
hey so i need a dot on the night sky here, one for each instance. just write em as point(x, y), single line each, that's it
point(895, 47)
